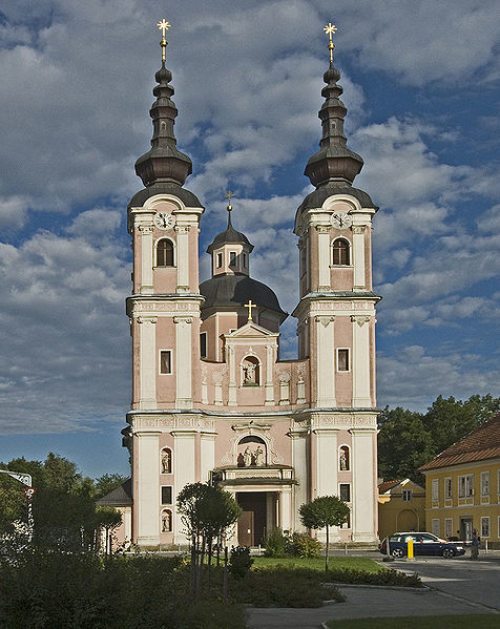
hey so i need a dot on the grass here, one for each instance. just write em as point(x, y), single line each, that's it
point(478, 621)
point(363, 564)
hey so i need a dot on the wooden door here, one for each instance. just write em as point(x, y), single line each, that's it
point(246, 528)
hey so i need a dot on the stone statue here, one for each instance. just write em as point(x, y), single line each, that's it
point(259, 456)
point(165, 462)
point(343, 460)
point(247, 457)
point(165, 523)
point(249, 373)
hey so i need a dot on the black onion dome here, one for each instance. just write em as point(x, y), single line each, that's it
point(229, 235)
point(334, 161)
point(163, 162)
point(228, 292)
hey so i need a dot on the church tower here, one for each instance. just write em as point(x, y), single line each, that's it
point(336, 316)
point(212, 400)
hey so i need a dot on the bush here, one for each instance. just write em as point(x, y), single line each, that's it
point(276, 544)
point(303, 545)
point(240, 561)
point(385, 577)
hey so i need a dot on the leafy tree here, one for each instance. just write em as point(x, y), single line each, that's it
point(403, 444)
point(324, 512)
point(12, 503)
point(106, 483)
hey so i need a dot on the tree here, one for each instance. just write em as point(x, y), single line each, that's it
point(324, 512)
point(106, 483)
point(404, 444)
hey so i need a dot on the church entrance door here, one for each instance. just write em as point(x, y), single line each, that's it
point(252, 522)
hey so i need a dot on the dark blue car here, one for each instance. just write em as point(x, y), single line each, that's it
point(423, 544)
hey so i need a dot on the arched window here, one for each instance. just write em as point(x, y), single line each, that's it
point(250, 369)
point(166, 521)
point(165, 253)
point(344, 459)
point(341, 252)
point(166, 461)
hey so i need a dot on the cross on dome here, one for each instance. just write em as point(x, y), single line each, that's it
point(163, 25)
point(330, 29)
point(250, 307)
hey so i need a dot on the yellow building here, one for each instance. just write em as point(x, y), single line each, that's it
point(463, 487)
point(401, 507)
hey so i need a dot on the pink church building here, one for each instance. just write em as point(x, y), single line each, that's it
point(212, 400)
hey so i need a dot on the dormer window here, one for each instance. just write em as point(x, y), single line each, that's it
point(341, 252)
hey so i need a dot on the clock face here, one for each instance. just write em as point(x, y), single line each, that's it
point(163, 220)
point(341, 220)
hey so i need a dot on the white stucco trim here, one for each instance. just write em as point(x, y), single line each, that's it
point(147, 362)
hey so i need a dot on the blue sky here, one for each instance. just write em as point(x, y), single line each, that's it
point(421, 83)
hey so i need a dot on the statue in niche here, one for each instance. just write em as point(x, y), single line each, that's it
point(259, 456)
point(165, 522)
point(165, 462)
point(343, 460)
point(247, 457)
point(249, 373)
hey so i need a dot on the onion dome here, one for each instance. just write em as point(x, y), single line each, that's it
point(334, 162)
point(163, 162)
point(229, 236)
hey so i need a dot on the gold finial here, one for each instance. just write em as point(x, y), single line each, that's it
point(330, 29)
point(229, 196)
point(163, 25)
point(250, 307)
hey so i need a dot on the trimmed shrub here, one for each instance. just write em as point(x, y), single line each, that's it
point(303, 545)
point(240, 561)
point(276, 544)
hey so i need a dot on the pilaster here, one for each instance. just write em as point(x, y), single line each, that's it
point(361, 396)
point(183, 360)
point(325, 364)
point(147, 362)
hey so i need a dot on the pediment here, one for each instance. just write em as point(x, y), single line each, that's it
point(250, 330)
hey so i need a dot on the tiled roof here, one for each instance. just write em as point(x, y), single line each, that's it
point(482, 444)
point(121, 496)
point(386, 485)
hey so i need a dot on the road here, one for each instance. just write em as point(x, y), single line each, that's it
point(472, 581)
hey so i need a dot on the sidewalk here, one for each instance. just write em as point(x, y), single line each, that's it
point(365, 602)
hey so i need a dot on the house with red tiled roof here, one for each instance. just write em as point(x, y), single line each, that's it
point(401, 507)
point(463, 486)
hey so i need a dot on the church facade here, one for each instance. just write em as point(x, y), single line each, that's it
point(212, 401)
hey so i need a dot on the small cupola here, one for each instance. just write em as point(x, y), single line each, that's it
point(230, 250)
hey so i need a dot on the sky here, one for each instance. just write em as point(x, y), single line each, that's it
point(421, 84)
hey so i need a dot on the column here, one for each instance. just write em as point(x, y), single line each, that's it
point(324, 279)
point(358, 246)
point(299, 462)
point(285, 498)
point(147, 502)
point(182, 258)
point(232, 376)
point(361, 361)
point(325, 363)
point(269, 376)
point(184, 473)
point(364, 488)
point(147, 362)
point(183, 371)
point(207, 455)
point(146, 259)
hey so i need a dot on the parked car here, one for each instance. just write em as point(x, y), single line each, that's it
point(423, 544)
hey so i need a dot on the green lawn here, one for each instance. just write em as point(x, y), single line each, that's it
point(363, 564)
point(478, 621)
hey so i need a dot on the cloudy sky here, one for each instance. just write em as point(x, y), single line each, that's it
point(421, 82)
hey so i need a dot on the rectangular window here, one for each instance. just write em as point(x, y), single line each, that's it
point(406, 495)
point(166, 361)
point(448, 528)
point(485, 484)
point(203, 345)
point(244, 256)
point(465, 486)
point(435, 489)
point(342, 360)
point(232, 258)
point(345, 492)
point(435, 526)
point(448, 488)
point(485, 527)
point(219, 260)
point(166, 495)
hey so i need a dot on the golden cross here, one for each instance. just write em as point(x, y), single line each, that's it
point(163, 25)
point(250, 307)
point(330, 29)
point(229, 196)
